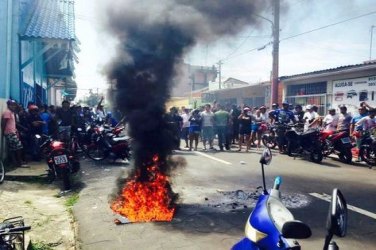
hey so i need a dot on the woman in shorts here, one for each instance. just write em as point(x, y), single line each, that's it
point(245, 120)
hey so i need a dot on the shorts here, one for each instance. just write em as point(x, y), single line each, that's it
point(255, 127)
point(194, 130)
point(207, 133)
point(13, 141)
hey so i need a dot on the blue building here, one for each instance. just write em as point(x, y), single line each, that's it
point(37, 50)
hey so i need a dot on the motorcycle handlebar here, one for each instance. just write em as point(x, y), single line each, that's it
point(14, 229)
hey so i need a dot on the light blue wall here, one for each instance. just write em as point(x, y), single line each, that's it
point(3, 42)
point(13, 68)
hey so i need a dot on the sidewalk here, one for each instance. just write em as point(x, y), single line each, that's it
point(25, 192)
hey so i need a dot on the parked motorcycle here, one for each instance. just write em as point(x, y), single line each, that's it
point(304, 143)
point(338, 143)
point(367, 149)
point(272, 226)
point(61, 162)
point(106, 142)
point(269, 138)
point(12, 234)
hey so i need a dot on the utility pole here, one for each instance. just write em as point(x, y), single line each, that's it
point(219, 73)
point(370, 46)
point(274, 87)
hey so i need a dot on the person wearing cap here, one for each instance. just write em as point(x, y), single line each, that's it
point(330, 120)
point(36, 128)
point(344, 119)
point(310, 118)
point(282, 116)
point(245, 121)
point(9, 131)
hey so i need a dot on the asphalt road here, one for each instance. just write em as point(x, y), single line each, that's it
point(209, 216)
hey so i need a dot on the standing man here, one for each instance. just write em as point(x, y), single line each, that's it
point(185, 129)
point(64, 117)
point(9, 131)
point(330, 120)
point(310, 118)
point(207, 126)
point(175, 122)
point(235, 112)
point(221, 120)
point(282, 116)
point(344, 119)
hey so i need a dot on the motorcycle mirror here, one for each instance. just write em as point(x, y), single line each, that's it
point(337, 217)
point(296, 229)
point(266, 156)
point(38, 136)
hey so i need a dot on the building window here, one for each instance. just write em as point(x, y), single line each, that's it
point(306, 89)
point(254, 101)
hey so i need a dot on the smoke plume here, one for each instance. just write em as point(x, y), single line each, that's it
point(153, 36)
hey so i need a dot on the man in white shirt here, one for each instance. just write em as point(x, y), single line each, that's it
point(185, 127)
point(207, 126)
point(331, 120)
point(310, 118)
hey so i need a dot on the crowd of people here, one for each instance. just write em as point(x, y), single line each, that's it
point(241, 126)
point(20, 126)
point(244, 125)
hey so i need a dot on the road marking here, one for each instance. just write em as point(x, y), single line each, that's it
point(213, 158)
point(328, 198)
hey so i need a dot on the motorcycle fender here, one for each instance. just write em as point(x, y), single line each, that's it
point(245, 244)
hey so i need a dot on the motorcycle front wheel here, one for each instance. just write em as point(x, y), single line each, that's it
point(346, 156)
point(96, 152)
point(316, 156)
point(368, 155)
point(269, 141)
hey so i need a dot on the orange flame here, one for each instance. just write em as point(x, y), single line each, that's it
point(146, 201)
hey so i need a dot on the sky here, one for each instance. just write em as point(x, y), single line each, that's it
point(339, 37)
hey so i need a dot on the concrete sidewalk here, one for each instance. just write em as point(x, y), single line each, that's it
point(27, 193)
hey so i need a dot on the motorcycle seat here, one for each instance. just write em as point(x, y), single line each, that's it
point(278, 212)
point(122, 138)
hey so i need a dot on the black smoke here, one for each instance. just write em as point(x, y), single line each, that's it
point(153, 37)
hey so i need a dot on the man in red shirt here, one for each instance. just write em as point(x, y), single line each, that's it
point(9, 131)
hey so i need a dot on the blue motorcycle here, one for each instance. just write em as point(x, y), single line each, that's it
point(271, 225)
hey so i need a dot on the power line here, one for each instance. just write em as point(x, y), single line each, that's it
point(329, 25)
point(303, 33)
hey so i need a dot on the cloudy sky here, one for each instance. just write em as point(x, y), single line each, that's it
point(340, 36)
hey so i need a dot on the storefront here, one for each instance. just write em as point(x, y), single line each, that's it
point(346, 85)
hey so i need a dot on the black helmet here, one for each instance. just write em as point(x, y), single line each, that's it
point(298, 106)
point(275, 105)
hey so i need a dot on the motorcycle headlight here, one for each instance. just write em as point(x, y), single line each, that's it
point(253, 234)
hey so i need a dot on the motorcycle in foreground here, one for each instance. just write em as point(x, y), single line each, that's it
point(338, 143)
point(61, 161)
point(304, 143)
point(271, 226)
point(12, 233)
